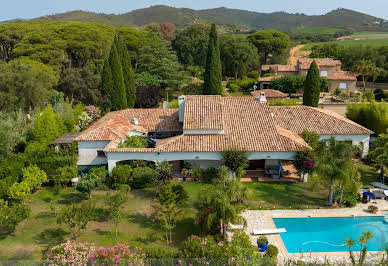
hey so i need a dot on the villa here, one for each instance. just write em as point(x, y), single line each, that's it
point(204, 126)
point(329, 68)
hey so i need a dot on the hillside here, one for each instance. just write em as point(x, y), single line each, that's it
point(247, 20)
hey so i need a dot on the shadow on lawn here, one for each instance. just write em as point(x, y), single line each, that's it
point(51, 237)
point(143, 220)
point(72, 197)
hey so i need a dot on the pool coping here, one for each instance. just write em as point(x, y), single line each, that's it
point(283, 248)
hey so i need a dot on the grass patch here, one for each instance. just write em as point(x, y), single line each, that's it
point(380, 42)
point(368, 174)
point(240, 94)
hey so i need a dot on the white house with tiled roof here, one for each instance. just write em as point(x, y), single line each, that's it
point(204, 126)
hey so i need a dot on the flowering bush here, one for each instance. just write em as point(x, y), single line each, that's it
point(119, 254)
point(304, 161)
point(71, 253)
point(90, 115)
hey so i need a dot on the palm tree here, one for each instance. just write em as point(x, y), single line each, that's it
point(350, 243)
point(334, 156)
point(377, 72)
point(363, 68)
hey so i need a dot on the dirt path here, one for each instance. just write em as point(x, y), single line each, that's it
point(296, 53)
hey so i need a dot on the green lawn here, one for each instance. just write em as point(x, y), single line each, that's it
point(349, 43)
point(40, 231)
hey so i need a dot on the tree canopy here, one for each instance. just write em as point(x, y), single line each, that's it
point(213, 71)
point(312, 86)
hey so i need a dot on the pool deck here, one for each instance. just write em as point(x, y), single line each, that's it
point(262, 219)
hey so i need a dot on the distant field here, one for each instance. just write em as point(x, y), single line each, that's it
point(320, 30)
point(365, 42)
point(368, 33)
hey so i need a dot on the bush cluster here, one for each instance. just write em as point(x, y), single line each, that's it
point(137, 178)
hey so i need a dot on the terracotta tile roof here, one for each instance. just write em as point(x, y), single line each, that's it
point(324, 122)
point(269, 93)
point(304, 63)
point(119, 123)
point(343, 75)
point(203, 112)
point(249, 126)
point(287, 68)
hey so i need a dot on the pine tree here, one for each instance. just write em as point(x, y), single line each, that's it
point(106, 84)
point(118, 97)
point(213, 74)
point(312, 86)
point(128, 75)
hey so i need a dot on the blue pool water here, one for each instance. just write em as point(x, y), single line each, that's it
point(329, 234)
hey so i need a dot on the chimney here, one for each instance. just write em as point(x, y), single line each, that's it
point(181, 101)
point(262, 98)
point(135, 121)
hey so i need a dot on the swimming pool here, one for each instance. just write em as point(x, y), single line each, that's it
point(329, 234)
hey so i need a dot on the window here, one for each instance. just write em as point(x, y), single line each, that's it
point(342, 86)
point(323, 73)
point(101, 153)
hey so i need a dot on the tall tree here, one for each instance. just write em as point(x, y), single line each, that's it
point(213, 72)
point(118, 97)
point(312, 86)
point(270, 42)
point(364, 68)
point(128, 75)
point(106, 84)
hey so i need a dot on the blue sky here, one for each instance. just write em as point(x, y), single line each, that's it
point(35, 8)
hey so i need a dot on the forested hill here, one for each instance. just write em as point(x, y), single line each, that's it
point(182, 17)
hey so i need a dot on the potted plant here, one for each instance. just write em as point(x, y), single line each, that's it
point(184, 173)
point(262, 243)
point(197, 173)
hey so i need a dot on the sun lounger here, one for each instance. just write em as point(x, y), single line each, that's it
point(269, 231)
point(386, 193)
point(235, 227)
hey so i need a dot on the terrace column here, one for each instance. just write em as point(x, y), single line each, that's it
point(111, 165)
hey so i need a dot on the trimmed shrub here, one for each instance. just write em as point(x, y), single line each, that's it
point(262, 240)
point(160, 253)
point(120, 175)
point(233, 87)
point(247, 84)
point(142, 176)
point(122, 188)
point(272, 251)
point(253, 75)
point(373, 209)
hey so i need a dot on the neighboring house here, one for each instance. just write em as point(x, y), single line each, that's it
point(204, 126)
point(329, 68)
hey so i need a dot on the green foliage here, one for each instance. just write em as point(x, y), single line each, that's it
point(107, 86)
point(235, 159)
point(191, 44)
point(77, 216)
point(363, 68)
point(270, 42)
point(238, 56)
point(213, 71)
point(192, 88)
point(271, 251)
point(363, 239)
point(120, 175)
point(142, 176)
point(67, 173)
point(171, 198)
point(311, 138)
point(118, 98)
point(283, 102)
point(210, 173)
point(373, 209)
point(146, 79)
point(253, 75)
point(88, 182)
point(134, 142)
point(379, 153)
point(25, 84)
point(372, 115)
point(115, 204)
point(293, 84)
point(159, 60)
point(14, 130)
point(312, 86)
point(128, 75)
point(158, 252)
point(262, 240)
point(11, 216)
point(101, 172)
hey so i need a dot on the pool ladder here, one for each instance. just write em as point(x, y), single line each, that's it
point(301, 252)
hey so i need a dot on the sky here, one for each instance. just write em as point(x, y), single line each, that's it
point(27, 9)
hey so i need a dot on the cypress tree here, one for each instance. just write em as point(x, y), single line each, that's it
point(106, 84)
point(312, 86)
point(118, 97)
point(128, 75)
point(213, 74)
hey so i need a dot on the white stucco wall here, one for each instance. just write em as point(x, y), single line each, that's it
point(87, 151)
point(356, 139)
